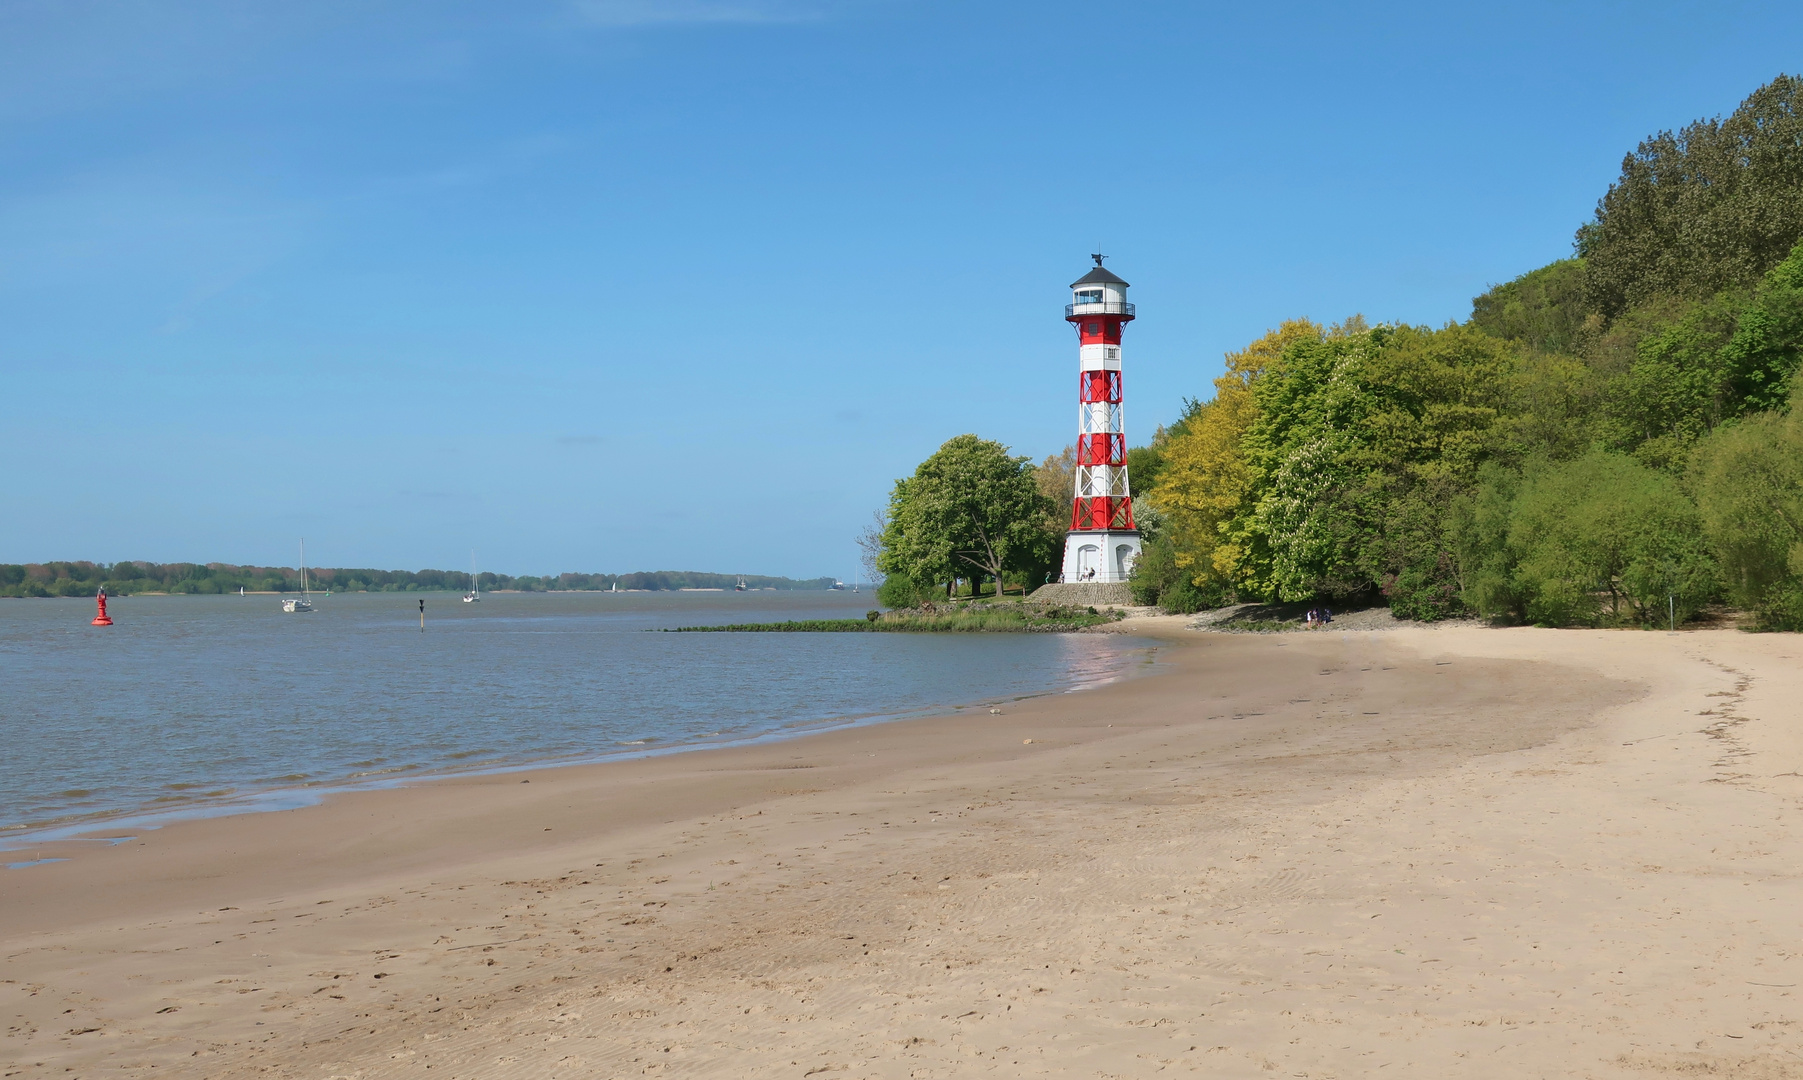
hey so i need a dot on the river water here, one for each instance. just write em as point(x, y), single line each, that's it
point(205, 704)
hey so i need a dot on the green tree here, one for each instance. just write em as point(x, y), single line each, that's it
point(1671, 371)
point(1767, 346)
point(1549, 410)
point(1598, 540)
point(1748, 479)
point(1478, 528)
point(1361, 442)
point(1544, 310)
point(1677, 386)
point(1709, 208)
point(971, 507)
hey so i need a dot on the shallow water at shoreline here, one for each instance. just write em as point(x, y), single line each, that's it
point(193, 705)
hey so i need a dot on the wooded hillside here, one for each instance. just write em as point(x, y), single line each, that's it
point(1608, 439)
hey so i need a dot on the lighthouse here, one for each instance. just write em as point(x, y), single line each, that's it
point(1102, 542)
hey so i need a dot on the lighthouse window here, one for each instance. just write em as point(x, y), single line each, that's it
point(1089, 296)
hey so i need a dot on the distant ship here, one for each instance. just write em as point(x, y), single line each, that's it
point(838, 586)
point(298, 605)
point(740, 587)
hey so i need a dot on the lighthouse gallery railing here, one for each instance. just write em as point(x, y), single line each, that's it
point(1098, 309)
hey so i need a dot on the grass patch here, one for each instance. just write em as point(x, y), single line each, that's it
point(973, 618)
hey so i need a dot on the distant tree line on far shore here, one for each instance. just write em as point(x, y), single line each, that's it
point(124, 578)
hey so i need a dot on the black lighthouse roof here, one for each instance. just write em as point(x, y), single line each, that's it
point(1099, 276)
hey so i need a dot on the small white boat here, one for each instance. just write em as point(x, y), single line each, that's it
point(299, 605)
point(475, 594)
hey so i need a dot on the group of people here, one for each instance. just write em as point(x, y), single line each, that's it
point(1318, 617)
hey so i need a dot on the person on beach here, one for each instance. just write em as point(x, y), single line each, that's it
point(1308, 622)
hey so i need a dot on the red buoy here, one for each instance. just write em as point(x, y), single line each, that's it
point(101, 619)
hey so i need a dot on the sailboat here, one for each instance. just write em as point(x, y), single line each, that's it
point(295, 605)
point(474, 594)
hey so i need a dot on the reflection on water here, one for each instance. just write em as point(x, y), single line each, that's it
point(191, 703)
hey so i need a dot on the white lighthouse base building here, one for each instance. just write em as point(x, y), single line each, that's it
point(1106, 557)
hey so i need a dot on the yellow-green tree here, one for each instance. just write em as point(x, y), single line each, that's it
point(1056, 478)
point(1205, 477)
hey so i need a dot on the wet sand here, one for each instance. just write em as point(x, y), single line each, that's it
point(1430, 852)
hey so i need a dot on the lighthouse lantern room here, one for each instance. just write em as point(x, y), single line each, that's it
point(1103, 542)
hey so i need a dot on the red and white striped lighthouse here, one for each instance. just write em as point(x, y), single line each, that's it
point(1103, 542)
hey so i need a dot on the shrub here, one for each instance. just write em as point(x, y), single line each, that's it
point(1598, 540)
point(1749, 483)
point(900, 591)
point(1157, 579)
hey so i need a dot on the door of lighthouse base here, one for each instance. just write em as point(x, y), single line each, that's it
point(1099, 556)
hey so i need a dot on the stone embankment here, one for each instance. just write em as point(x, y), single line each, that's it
point(1084, 594)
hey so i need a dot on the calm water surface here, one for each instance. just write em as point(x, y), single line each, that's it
point(198, 704)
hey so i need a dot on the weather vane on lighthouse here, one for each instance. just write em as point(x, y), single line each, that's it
point(1103, 542)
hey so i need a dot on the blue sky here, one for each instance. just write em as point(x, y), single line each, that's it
point(611, 285)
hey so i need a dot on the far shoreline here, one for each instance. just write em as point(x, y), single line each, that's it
point(424, 592)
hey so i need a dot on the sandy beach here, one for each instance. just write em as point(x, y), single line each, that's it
point(1426, 852)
